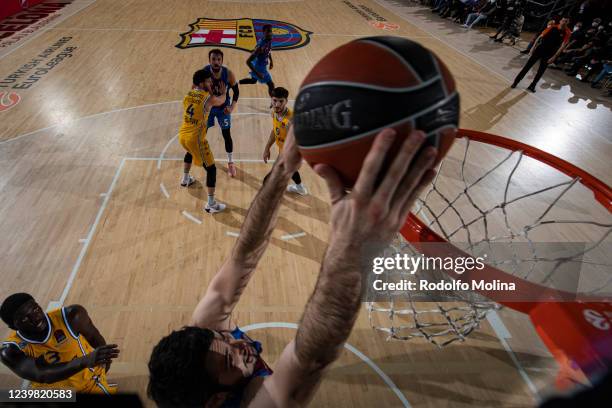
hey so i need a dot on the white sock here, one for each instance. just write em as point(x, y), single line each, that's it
point(229, 158)
point(185, 177)
point(211, 200)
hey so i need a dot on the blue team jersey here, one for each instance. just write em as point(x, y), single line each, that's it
point(217, 82)
point(263, 51)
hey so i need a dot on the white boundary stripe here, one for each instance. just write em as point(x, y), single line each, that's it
point(503, 334)
point(191, 217)
point(163, 152)
point(350, 348)
point(92, 230)
point(293, 236)
point(232, 234)
point(57, 21)
point(113, 111)
point(181, 159)
point(86, 117)
point(52, 305)
point(163, 190)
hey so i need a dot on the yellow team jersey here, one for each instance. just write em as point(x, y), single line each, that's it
point(192, 134)
point(280, 125)
point(62, 345)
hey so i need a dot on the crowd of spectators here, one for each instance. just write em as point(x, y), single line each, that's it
point(587, 56)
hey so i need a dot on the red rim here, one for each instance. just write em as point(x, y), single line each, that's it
point(416, 232)
point(602, 192)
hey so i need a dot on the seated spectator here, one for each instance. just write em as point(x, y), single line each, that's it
point(514, 31)
point(599, 56)
point(509, 15)
point(481, 14)
point(439, 5)
point(591, 53)
point(462, 7)
point(570, 55)
point(606, 70)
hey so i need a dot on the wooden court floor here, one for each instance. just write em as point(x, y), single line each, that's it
point(91, 211)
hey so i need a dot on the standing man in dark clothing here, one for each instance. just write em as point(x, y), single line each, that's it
point(548, 46)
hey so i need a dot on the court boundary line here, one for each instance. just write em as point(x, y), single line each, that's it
point(386, 379)
point(92, 230)
point(93, 227)
point(147, 105)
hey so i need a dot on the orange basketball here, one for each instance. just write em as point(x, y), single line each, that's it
point(365, 86)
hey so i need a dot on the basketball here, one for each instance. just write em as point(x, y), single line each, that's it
point(365, 86)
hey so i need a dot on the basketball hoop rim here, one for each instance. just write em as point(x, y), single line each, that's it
point(416, 232)
point(601, 191)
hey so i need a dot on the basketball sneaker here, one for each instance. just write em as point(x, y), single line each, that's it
point(187, 181)
point(297, 189)
point(231, 169)
point(215, 208)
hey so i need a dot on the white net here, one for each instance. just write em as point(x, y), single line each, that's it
point(487, 198)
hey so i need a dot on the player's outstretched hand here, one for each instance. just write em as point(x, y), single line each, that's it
point(374, 211)
point(266, 155)
point(102, 355)
point(290, 155)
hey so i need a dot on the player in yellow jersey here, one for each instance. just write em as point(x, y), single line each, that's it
point(281, 120)
point(58, 349)
point(192, 134)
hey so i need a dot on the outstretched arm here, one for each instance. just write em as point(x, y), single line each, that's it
point(223, 293)
point(369, 214)
point(39, 371)
point(81, 323)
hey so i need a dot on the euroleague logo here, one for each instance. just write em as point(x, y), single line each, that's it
point(8, 100)
point(23, 4)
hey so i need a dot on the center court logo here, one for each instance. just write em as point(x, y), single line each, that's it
point(242, 34)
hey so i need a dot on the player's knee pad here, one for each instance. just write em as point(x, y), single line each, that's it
point(211, 175)
point(188, 158)
point(227, 137)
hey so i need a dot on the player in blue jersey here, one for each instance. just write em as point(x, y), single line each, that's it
point(258, 61)
point(222, 75)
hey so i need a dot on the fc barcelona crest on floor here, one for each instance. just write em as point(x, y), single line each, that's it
point(242, 34)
